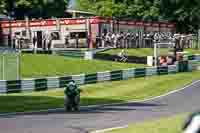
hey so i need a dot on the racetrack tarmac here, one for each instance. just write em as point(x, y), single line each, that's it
point(102, 117)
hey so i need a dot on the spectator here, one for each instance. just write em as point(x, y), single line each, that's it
point(108, 39)
point(34, 41)
point(169, 60)
point(163, 61)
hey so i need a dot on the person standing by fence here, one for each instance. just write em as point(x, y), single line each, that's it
point(76, 39)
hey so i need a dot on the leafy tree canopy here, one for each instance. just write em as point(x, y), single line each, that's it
point(184, 12)
point(33, 8)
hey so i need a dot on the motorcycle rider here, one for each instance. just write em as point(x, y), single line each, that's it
point(72, 96)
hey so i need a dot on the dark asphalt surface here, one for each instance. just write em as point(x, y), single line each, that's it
point(97, 118)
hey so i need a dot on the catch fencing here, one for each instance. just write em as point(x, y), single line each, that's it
point(9, 64)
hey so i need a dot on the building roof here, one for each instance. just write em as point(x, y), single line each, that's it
point(78, 11)
point(3, 16)
point(71, 13)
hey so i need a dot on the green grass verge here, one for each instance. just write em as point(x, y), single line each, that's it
point(107, 92)
point(192, 51)
point(195, 63)
point(171, 124)
point(144, 51)
point(49, 65)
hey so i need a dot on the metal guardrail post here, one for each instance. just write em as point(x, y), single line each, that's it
point(3, 67)
point(155, 54)
point(198, 41)
point(18, 65)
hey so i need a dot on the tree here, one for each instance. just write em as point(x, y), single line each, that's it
point(34, 8)
point(105, 8)
point(2, 6)
point(184, 12)
point(143, 10)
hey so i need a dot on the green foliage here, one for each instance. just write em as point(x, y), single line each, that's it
point(184, 12)
point(2, 6)
point(103, 8)
point(34, 8)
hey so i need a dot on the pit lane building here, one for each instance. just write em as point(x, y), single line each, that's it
point(85, 29)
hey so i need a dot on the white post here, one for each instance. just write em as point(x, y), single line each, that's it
point(88, 55)
point(150, 61)
point(155, 54)
point(36, 44)
point(88, 31)
point(18, 65)
point(199, 39)
point(3, 67)
point(58, 24)
point(27, 28)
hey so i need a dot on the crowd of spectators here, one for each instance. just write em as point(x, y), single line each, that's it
point(141, 40)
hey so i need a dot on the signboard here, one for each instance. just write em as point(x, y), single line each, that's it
point(94, 20)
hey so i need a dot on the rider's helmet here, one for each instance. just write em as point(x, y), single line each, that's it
point(71, 84)
point(71, 87)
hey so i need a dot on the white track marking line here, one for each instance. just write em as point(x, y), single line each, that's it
point(109, 129)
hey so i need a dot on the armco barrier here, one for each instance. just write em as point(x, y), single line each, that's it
point(195, 57)
point(130, 59)
point(70, 53)
point(196, 67)
point(128, 73)
point(91, 78)
point(103, 76)
point(43, 84)
point(116, 75)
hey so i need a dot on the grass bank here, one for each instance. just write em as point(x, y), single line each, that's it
point(144, 51)
point(165, 125)
point(49, 65)
point(107, 92)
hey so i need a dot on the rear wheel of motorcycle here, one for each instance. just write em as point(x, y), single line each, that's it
point(68, 108)
point(67, 105)
point(76, 108)
point(77, 101)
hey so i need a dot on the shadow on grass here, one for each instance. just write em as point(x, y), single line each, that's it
point(13, 103)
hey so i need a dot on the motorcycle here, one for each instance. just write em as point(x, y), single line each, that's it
point(72, 103)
